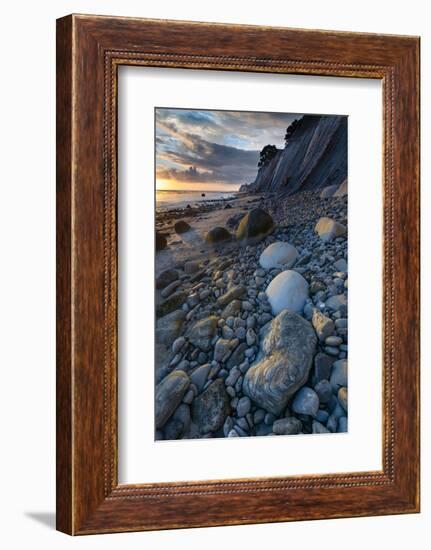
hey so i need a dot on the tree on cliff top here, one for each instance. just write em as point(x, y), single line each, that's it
point(267, 153)
point(291, 130)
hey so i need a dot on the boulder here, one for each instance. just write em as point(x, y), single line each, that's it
point(278, 255)
point(283, 362)
point(254, 226)
point(328, 229)
point(232, 309)
point(202, 332)
point(181, 227)
point(161, 241)
point(168, 395)
point(211, 407)
point(218, 235)
point(288, 290)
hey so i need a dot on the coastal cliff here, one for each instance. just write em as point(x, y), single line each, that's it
point(314, 157)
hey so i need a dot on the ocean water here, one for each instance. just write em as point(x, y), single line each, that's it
point(166, 200)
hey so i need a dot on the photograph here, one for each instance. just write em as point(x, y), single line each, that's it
point(251, 273)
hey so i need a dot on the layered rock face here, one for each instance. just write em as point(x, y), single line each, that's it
point(316, 157)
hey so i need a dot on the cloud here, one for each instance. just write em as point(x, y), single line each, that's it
point(214, 146)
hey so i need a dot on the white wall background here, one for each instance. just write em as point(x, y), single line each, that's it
point(27, 297)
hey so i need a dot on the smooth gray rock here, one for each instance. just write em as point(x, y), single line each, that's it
point(306, 401)
point(169, 394)
point(322, 367)
point(324, 391)
point(199, 376)
point(202, 332)
point(338, 377)
point(340, 265)
point(237, 356)
point(342, 424)
point(288, 290)
point(279, 254)
point(287, 426)
point(243, 407)
point(283, 363)
point(319, 428)
point(211, 407)
point(335, 303)
point(218, 235)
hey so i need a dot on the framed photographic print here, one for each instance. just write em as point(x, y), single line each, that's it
point(237, 274)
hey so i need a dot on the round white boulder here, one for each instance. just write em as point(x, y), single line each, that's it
point(279, 254)
point(288, 290)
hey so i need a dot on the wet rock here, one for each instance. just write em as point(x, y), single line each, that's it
point(306, 401)
point(287, 426)
point(338, 377)
point(283, 363)
point(211, 407)
point(336, 303)
point(202, 332)
point(199, 376)
point(181, 227)
point(218, 235)
point(169, 394)
point(342, 397)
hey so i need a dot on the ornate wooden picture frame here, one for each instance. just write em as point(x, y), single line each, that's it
point(89, 51)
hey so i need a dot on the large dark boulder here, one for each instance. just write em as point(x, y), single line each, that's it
point(181, 227)
point(218, 235)
point(254, 226)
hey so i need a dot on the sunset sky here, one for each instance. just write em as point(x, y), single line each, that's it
point(213, 150)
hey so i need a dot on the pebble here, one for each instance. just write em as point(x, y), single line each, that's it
point(244, 406)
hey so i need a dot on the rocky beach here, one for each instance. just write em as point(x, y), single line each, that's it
point(252, 292)
point(251, 317)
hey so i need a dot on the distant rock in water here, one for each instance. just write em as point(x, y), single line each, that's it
point(254, 226)
point(202, 194)
point(181, 227)
point(315, 157)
